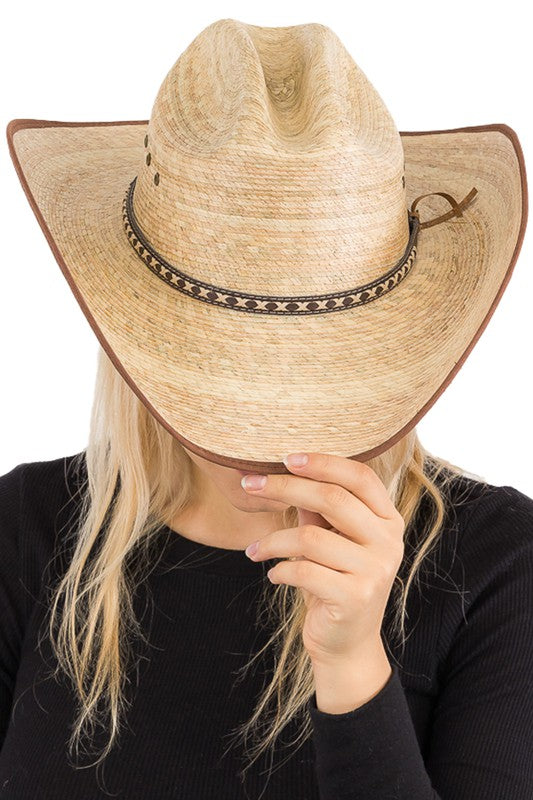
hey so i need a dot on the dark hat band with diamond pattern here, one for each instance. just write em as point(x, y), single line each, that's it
point(261, 304)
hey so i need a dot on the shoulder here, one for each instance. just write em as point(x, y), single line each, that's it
point(487, 527)
point(496, 521)
point(10, 483)
point(472, 502)
point(33, 492)
point(43, 473)
point(493, 542)
point(37, 500)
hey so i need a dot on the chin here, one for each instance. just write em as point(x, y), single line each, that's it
point(260, 504)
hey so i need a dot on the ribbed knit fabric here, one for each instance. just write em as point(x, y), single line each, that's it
point(454, 721)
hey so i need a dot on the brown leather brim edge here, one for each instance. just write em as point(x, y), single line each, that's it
point(274, 467)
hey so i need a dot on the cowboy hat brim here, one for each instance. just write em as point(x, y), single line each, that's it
point(243, 390)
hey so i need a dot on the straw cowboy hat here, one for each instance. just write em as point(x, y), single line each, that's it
point(269, 263)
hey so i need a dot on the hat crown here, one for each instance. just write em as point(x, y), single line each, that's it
point(271, 164)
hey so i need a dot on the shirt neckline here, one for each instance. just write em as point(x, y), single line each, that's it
point(200, 557)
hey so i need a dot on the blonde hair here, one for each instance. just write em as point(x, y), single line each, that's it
point(138, 475)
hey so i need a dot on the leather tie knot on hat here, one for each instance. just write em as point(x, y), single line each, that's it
point(270, 179)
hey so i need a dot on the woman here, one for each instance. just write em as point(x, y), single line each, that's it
point(386, 609)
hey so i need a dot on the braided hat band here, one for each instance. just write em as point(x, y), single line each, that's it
point(273, 304)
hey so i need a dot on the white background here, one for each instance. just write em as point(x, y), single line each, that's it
point(436, 65)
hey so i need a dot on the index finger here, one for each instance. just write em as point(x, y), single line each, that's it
point(356, 476)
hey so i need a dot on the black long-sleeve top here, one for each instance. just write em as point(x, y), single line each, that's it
point(453, 722)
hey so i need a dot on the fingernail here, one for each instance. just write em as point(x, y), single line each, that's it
point(296, 460)
point(251, 550)
point(253, 481)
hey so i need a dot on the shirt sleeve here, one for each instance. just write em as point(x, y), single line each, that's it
point(11, 592)
point(481, 742)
